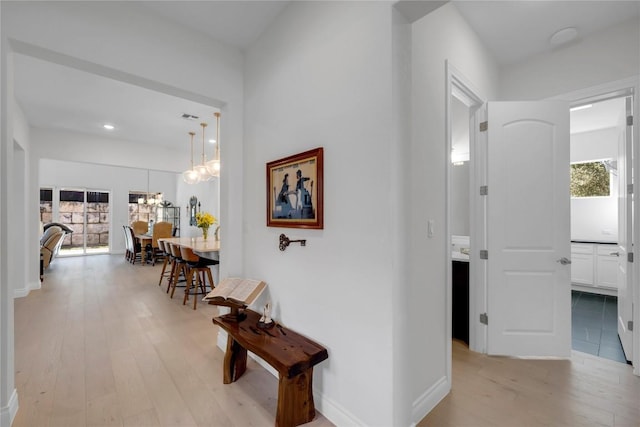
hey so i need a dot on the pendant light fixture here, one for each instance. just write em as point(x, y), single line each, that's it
point(203, 173)
point(149, 199)
point(213, 166)
point(191, 176)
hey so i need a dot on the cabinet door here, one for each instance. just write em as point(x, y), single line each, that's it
point(582, 269)
point(582, 265)
point(607, 267)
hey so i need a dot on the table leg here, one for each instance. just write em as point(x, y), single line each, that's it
point(235, 361)
point(295, 400)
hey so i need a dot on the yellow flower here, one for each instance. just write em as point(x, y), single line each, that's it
point(205, 219)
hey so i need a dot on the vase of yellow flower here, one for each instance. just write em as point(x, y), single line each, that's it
point(205, 220)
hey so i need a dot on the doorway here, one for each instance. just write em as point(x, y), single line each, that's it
point(601, 225)
point(462, 103)
point(87, 213)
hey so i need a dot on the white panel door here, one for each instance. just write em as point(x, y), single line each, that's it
point(625, 288)
point(528, 223)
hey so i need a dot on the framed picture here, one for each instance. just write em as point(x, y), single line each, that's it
point(295, 191)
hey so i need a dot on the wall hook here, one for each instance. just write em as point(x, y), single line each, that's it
point(285, 241)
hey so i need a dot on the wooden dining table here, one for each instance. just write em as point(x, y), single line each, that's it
point(204, 248)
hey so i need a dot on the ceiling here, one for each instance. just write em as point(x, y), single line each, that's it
point(513, 31)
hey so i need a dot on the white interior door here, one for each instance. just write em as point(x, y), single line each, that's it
point(528, 226)
point(625, 288)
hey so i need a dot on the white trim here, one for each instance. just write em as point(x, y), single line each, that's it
point(23, 292)
point(8, 413)
point(459, 86)
point(428, 400)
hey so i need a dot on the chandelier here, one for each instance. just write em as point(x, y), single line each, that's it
point(191, 176)
point(213, 166)
point(150, 199)
point(206, 170)
point(201, 169)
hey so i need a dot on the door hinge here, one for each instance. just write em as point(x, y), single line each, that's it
point(484, 190)
point(629, 120)
point(484, 126)
point(484, 254)
point(629, 188)
point(630, 325)
point(630, 257)
point(484, 319)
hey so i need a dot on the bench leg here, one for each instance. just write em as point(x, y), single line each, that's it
point(235, 361)
point(295, 400)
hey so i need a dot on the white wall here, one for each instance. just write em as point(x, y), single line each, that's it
point(207, 195)
point(606, 56)
point(441, 35)
point(460, 199)
point(595, 218)
point(321, 77)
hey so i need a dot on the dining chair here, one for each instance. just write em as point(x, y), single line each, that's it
point(199, 267)
point(161, 230)
point(140, 227)
point(135, 249)
point(179, 268)
point(166, 254)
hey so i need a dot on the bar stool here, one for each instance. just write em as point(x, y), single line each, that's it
point(179, 267)
point(199, 266)
point(167, 260)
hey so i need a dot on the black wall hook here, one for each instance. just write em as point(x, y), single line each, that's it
point(285, 241)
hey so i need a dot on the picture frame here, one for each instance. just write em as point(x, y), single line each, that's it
point(295, 191)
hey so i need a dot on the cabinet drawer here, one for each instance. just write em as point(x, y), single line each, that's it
point(582, 248)
point(607, 250)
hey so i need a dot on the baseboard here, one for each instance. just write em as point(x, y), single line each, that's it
point(23, 292)
point(334, 412)
point(8, 413)
point(328, 408)
point(429, 399)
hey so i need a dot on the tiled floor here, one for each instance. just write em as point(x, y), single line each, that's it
point(594, 325)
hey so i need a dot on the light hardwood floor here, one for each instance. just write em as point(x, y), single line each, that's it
point(102, 345)
point(502, 391)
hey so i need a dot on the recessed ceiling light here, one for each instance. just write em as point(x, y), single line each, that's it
point(563, 36)
point(107, 126)
point(213, 141)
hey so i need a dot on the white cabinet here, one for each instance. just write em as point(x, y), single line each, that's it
point(594, 265)
point(607, 266)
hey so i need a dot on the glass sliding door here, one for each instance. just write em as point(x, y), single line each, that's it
point(87, 213)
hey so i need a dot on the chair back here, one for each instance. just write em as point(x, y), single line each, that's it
point(132, 240)
point(51, 237)
point(160, 231)
point(175, 250)
point(161, 246)
point(188, 255)
point(140, 227)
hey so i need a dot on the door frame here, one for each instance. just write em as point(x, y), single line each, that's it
point(599, 93)
point(458, 86)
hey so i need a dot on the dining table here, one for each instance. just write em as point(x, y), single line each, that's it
point(144, 239)
point(208, 248)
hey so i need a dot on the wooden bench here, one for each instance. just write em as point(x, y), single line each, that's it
point(290, 353)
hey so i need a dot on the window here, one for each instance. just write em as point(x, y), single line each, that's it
point(591, 179)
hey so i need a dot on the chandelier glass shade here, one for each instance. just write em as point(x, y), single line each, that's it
point(213, 165)
point(191, 176)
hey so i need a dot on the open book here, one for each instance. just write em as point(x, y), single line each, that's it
point(236, 290)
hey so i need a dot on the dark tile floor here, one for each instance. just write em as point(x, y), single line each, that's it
point(594, 325)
